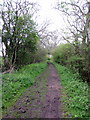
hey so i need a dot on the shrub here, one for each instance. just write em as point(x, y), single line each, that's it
point(62, 53)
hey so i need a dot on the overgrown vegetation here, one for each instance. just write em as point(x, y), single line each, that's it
point(14, 84)
point(76, 98)
point(77, 34)
point(39, 55)
point(65, 54)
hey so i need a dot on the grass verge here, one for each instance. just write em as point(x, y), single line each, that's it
point(13, 85)
point(76, 96)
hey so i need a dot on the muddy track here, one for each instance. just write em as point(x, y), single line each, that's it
point(42, 100)
point(52, 104)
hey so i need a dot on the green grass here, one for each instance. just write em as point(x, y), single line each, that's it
point(1, 62)
point(75, 99)
point(15, 84)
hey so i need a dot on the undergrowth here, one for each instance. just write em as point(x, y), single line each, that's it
point(14, 84)
point(76, 96)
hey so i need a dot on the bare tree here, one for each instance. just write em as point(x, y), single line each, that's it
point(77, 14)
point(77, 33)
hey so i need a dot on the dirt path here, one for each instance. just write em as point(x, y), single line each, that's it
point(52, 104)
point(42, 100)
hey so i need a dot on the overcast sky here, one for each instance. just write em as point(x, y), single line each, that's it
point(48, 13)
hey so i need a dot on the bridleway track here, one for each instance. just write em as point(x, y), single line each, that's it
point(41, 100)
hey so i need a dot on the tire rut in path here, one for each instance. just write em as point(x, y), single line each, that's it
point(52, 105)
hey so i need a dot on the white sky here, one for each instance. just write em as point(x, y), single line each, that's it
point(48, 13)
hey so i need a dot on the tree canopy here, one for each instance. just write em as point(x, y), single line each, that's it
point(19, 35)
